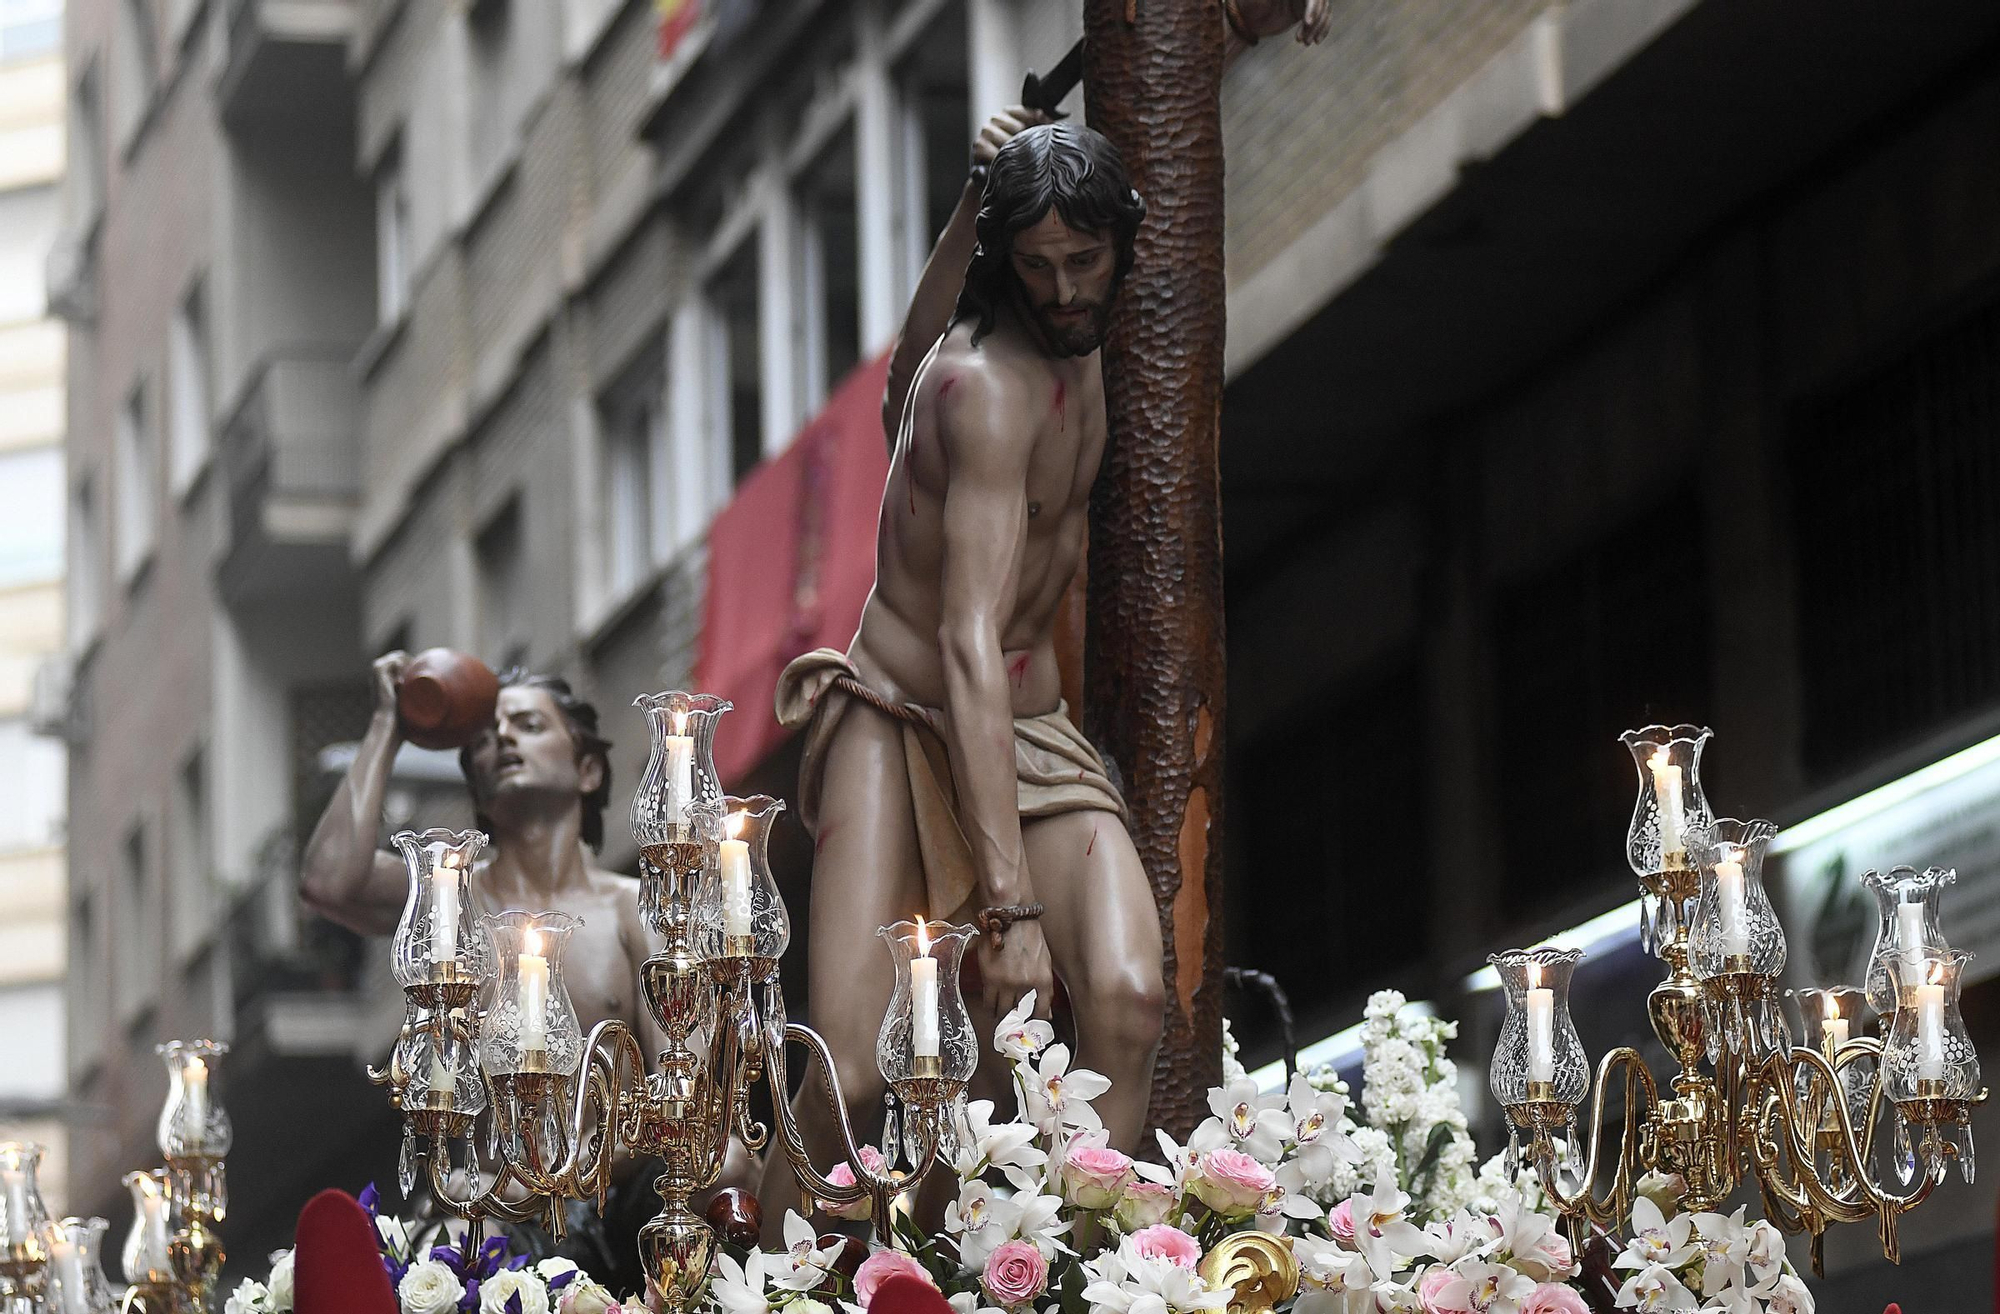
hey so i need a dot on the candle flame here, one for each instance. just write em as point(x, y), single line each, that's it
point(923, 938)
point(197, 1070)
point(450, 860)
point(1934, 974)
point(734, 824)
point(1534, 976)
point(680, 722)
point(1659, 760)
point(1832, 1007)
point(531, 942)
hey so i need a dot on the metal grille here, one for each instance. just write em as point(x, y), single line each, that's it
point(1895, 502)
point(1612, 637)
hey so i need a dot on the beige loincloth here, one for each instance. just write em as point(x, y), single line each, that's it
point(1057, 768)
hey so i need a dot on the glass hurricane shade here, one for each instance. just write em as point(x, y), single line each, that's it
point(145, 1256)
point(1928, 1054)
point(1735, 927)
point(439, 1054)
point(1671, 803)
point(441, 938)
point(926, 1018)
point(76, 1280)
point(192, 1121)
point(1906, 905)
point(529, 1023)
point(738, 912)
point(25, 1225)
point(680, 770)
point(1539, 1056)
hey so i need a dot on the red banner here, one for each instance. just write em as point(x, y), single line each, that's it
point(790, 563)
point(676, 18)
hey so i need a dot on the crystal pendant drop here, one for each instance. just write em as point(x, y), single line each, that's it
point(406, 1162)
point(1904, 1154)
point(1513, 1154)
point(889, 1136)
point(1649, 916)
point(493, 1133)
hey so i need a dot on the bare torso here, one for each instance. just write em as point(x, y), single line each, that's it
point(897, 643)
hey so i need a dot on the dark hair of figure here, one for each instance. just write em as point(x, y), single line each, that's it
point(1062, 166)
point(581, 718)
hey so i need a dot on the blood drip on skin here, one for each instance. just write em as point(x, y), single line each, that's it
point(1088, 848)
point(819, 840)
point(1018, 669)
point(1061, 410)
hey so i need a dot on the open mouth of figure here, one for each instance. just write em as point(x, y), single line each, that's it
point(507, 762)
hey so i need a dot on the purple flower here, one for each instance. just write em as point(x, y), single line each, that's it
point(560, 1280)
point(469, 1302)
point(371, 1199)
point(513, 1305)
point(450, 1257)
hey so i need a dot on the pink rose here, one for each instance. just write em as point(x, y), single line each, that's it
point(1015, 1273)
point(880, 1267)
point(1169, 1243)
point(1144, 1204)
point(1340, 1221)
point(1554, 1298)
point(1094, 1176)
point(1232, 1183)
point(843, 1175)
point(1443, 1292)
point(1555, 1255)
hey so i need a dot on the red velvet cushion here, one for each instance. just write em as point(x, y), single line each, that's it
point(338, 1268)
point(903, 1294)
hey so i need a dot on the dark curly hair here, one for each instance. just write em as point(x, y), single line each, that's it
point(1062, 166)
point(581, 718)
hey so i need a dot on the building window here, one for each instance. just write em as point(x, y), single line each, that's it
point(188, 836)
point(934, 106)
point(828, 276)
point(137, 490)
point(139, 950)
point(84, 177)
point(504, 624)
point(634, 430)
point(392, 238)
point(29, 28)
point(736, 376)
point(488, 28)
point(135, 67)
point(31, 529)
point(86, 982)
point(85, 577)
point(33, 783)
point(187, 391)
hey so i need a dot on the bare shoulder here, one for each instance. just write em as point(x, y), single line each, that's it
point(613, 882)
point(983, 395)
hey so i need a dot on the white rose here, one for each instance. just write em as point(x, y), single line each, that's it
point(554, 1267)
point(494, 1291)
point(281, 1281)
point(582, 1296)
point(429, 1288)
point(248, 1298)
point(808, 1306)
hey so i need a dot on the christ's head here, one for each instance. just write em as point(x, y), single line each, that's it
point(541, 756)
point(1055, 231)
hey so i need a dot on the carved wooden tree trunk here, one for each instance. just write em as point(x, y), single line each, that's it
point(1154, 658)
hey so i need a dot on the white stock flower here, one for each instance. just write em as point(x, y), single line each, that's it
point(802, 1265)
point(739, 1288)
point(1021, 1035)
point(1655, 1241)
point(1056, 1099)
point(1256, 1123)
point(248, 1298)
point(429, 1287)
point(281, 1282)
point(1652, 1289)
point(495, 1291)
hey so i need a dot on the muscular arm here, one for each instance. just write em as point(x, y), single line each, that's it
point(930, 308)
point(343, 876)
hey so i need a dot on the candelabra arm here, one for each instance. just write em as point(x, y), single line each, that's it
point(489, 1203)
point(1781, 1113)
point(611, 1053)
point(1611, 1210)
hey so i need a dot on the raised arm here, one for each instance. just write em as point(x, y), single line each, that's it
point(986, 435)
point(944, 273)
point(343, 876)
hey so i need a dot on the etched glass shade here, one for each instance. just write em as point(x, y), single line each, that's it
point(25, 1225)
point(1906, 905)
point(1539, 1056)
point(738, 912)
point(441, 939)
point(146, 1256)
point(1735, 927)
point(1828, 1019)
point(529, 1024)
point(192, 1121)
point(1671, 803)
point(77, 1284)
point(680, 771)
point(926, 1031)
point(439, 1056)
point(1927, 1053)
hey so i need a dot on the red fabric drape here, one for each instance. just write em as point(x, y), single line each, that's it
point(337, 1268)
point(790, 563)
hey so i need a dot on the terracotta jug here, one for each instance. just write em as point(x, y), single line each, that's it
point(445, 698)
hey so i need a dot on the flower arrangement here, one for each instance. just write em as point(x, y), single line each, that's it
point(439, 1269)
point(1386, 1212)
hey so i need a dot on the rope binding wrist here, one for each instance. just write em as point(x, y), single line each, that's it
point(996, 921)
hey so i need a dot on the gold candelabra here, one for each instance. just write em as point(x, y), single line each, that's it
point(489, 1028)
point(1801, 1120)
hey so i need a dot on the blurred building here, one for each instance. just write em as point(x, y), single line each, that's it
point(31, 585)
point(1590, 363)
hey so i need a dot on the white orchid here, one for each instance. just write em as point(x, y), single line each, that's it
point(1334, 1279)
point(802, 1265)
point(1492, 1288)
point(1381, 1232)
point(1787, 1295)
point(980, 1219)
point(1764, 1257)
point(1463, 1234)
point(1723, 1246)
point(967, 1302)
point(1022, 1036)
point(1122, 1281)
point(1654, 1288)
point(1057, 1100)
point(1256, 1123)
point(1655, 1241)
point(739, 1288)
point(1529, 1237)
point(1009, 1147)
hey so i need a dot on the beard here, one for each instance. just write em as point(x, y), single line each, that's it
point(1074, 335)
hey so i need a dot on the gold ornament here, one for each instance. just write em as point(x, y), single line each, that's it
point(1259, 1266)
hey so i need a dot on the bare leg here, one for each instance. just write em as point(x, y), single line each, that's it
point(867, 873)
point(1103, 932)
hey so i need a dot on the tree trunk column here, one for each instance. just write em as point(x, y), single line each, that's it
point(1154, 657)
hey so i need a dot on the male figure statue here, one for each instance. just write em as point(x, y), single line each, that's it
point(942, 774)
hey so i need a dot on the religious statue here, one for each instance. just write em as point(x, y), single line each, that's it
point(540, 778)
point(942, 773)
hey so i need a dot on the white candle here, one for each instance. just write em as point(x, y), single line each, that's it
point(441, 1078)
point(923, 997)
point(68, 1261)
point(734, 857)
point(1729, 904)
point(1910, 929)
point(155, 1258)
point(534, 996)
point(15, 1183)
point(1541, 1028)
point(1930, 1032)
point(1835, 1033)
point(680, 771)
point(194, 1103)
point(1673, 816)
point(444, 910)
